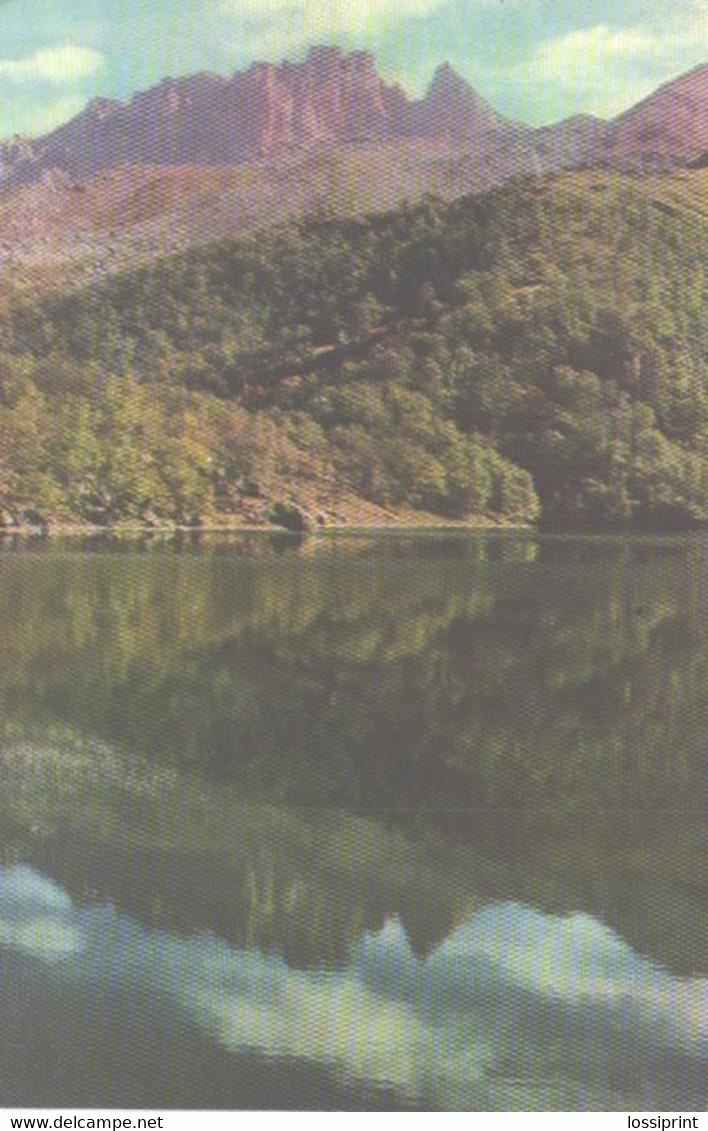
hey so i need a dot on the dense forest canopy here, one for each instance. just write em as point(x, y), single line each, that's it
point(538, 350)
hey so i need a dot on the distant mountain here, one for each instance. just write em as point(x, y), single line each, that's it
point(335, 98)
point(670, 126)
point(574, 141)
point(203, 157)
point(454, 112)
point(331, 97)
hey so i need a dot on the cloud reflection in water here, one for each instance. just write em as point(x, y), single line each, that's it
point(512, 999)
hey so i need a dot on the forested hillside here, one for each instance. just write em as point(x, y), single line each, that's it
point(539, 350)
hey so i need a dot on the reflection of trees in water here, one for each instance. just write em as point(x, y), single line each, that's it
point(532, 723)
point(402, 670)
point(306, 883)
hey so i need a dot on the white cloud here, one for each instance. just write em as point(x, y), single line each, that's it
point(42, 90)
point(578, 57)
point(613, 68)
point(270, 26)
point(63, 65)
point(596, 63)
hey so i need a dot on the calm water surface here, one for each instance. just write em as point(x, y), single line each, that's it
point(354, 823)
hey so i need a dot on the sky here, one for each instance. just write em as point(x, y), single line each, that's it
point(535, 60)
point(444, 1025)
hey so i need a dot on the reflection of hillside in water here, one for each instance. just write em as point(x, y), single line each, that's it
point(402, 727)
point(183, 855)
point(567, 665)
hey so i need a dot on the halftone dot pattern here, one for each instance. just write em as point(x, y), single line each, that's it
point(352, 726)
point(313, 851)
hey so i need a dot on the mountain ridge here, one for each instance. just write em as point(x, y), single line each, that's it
point(332, 97)
point(205, 156)
point(672, 120)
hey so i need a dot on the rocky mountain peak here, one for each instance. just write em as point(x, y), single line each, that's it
point(670, 124)
point(337, 97)
point(454, 110)
point(448, 82)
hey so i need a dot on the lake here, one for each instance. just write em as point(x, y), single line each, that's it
point(355, 822)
